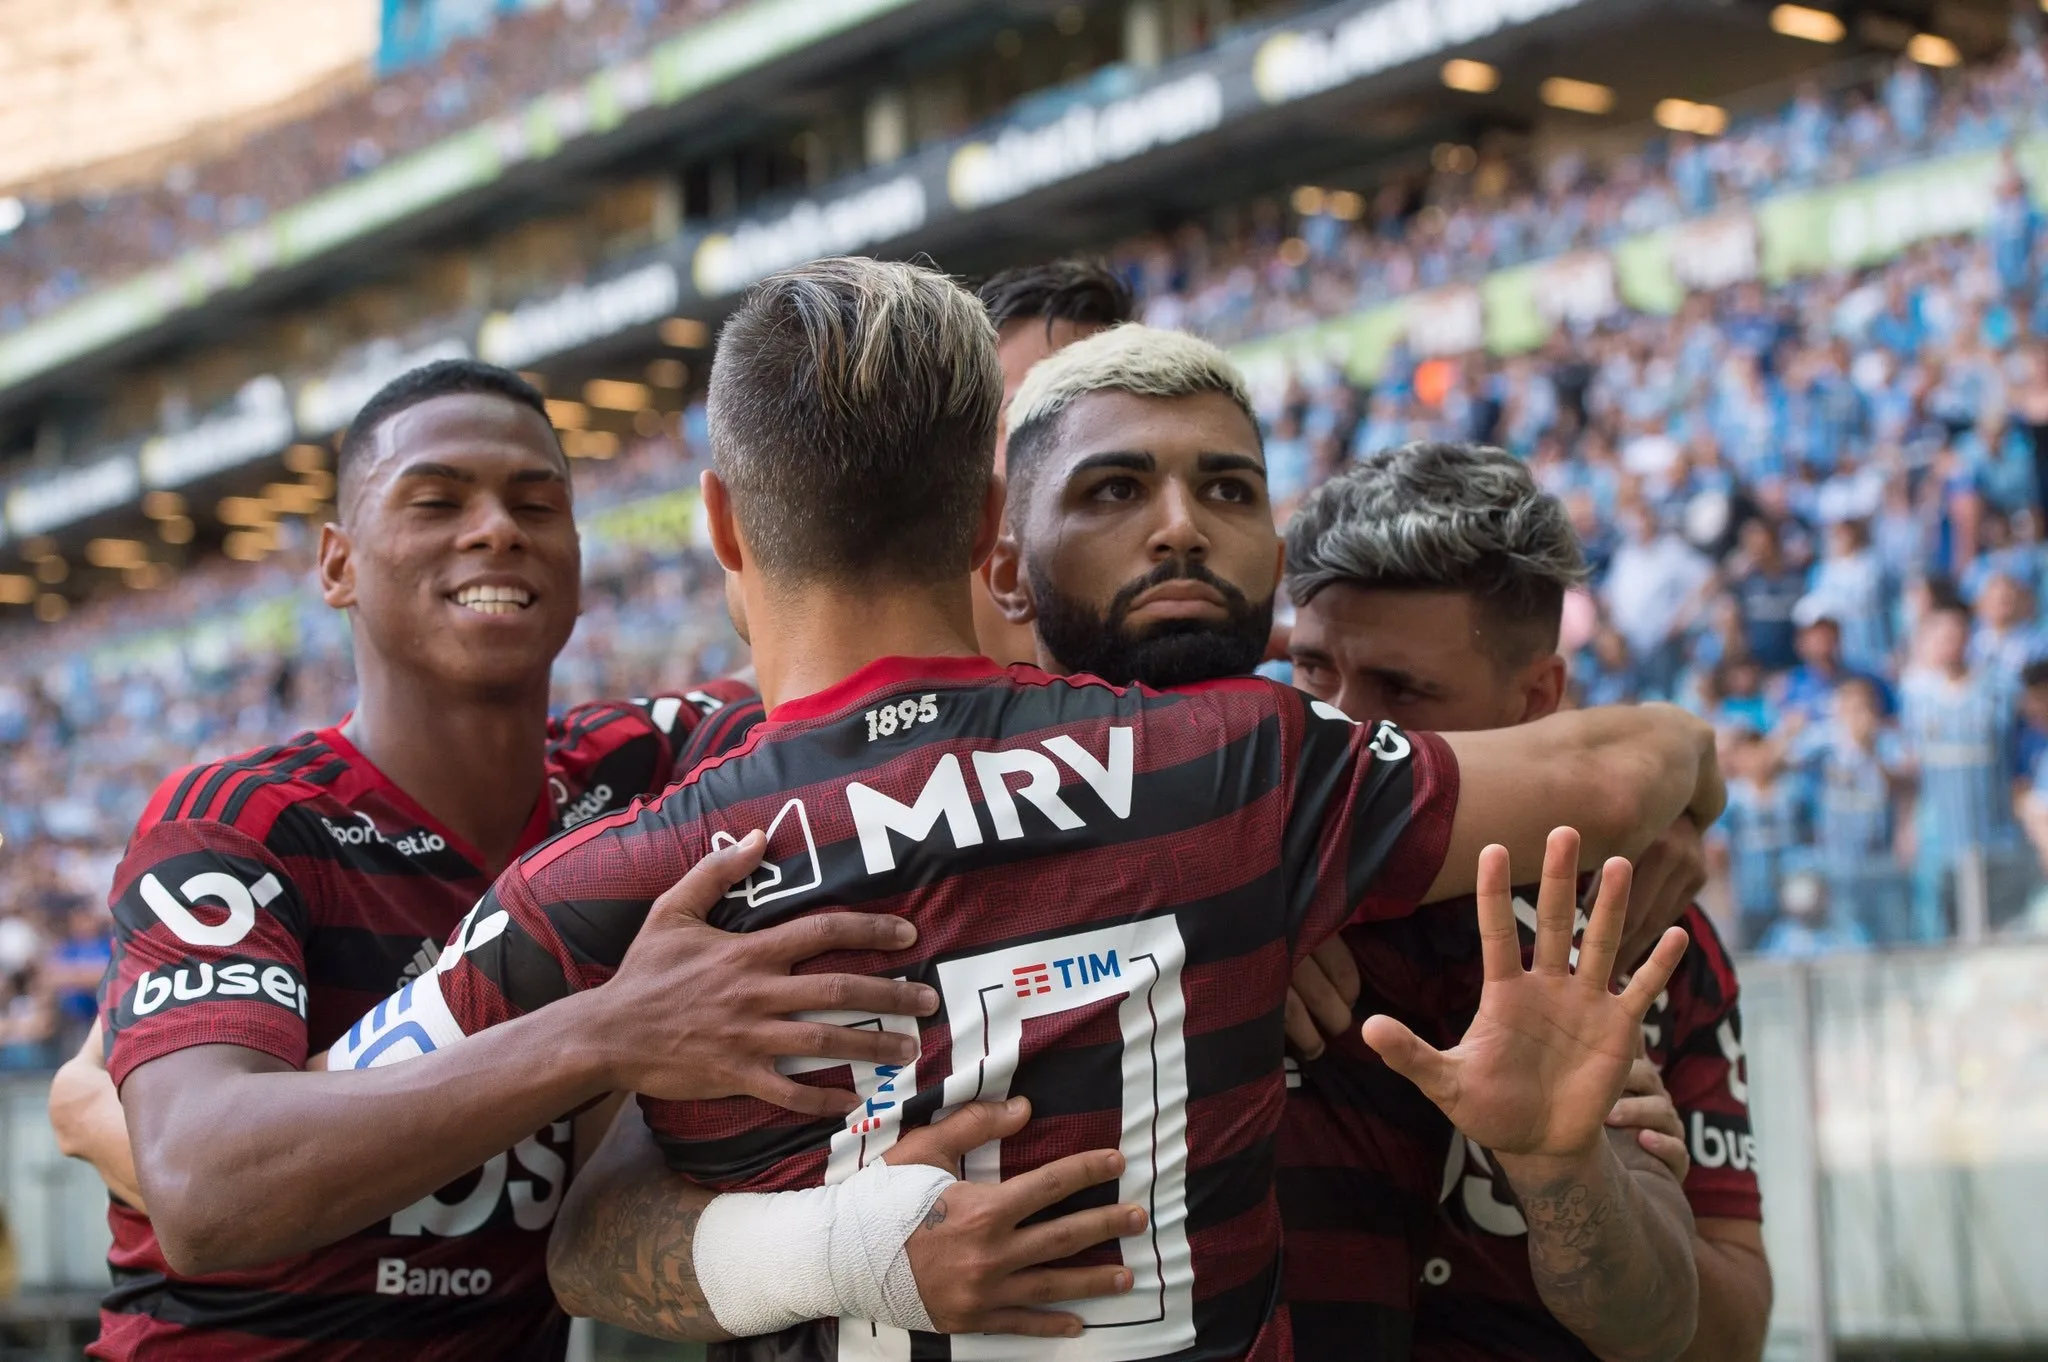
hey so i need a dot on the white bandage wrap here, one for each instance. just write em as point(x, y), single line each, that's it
point(767, 1260)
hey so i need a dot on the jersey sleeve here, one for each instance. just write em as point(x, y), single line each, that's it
point(555, 923)
point(1709, 1083)
point(209, 948)
point(691, 721)
point(1368, 818)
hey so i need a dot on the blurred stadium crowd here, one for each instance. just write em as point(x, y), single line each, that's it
point(65, 248)
point(1814, 512)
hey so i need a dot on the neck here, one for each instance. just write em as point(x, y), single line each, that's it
point(806, 638)
point(476, 762)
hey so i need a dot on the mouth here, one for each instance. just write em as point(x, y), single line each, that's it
point(493, 600)
point(1180, 600)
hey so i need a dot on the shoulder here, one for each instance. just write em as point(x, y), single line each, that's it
point(248, 792)
point(1706, 981)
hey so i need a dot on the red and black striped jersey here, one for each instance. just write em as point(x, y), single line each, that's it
point(267, 900)
point(1362, 1151)
point(1477, 1299)
point(1110, 887)
point(722, 731)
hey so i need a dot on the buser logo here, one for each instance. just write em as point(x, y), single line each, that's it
point(240, 900)
point(945, 796)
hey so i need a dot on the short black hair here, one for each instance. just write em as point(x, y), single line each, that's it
point(442, 378)
point(1085, 292)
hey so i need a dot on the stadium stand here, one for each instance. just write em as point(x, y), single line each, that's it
point(62, 250)
point(1782, 489)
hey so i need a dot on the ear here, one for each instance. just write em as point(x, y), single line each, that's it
point(1004, 574)
point(1543, 687)
point(337, 567)
point(725, 528)
point(990, 527)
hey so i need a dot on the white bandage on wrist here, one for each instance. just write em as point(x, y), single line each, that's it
point(767, 1260)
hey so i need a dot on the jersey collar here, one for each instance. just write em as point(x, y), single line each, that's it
point(539, 824)
point(882, 674)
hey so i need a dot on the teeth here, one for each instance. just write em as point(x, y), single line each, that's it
point(494, 600)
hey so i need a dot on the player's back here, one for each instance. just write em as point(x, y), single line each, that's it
point(1110, 888)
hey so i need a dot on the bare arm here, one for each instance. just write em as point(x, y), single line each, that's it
point(313, 1156)
point(1620, 775)
point(624, 1245)
point(1610, 1248)
point(1735, 1292)
point(85, 1111)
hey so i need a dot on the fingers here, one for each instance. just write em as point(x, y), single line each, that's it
point(849, 993)
point(1031, 1323)
point(1643, 1078)
point(1646, 1113)
point(1302, 1032)
point(1029, 1193)
point(1602, 941)
point(773, 1088)
point(1328, 998)
point(806, 937)
point(1655, 972)
point(1048, 1286)
point(1340, 967)
point(1072, 1234)
point(1557, 903)
point(1409, 1056)
point(943, 1143)
point(699, 891)
point(1667, 1150)
point(823, 1040)
point(1500, 945)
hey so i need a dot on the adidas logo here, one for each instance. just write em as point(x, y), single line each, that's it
point(422, 960)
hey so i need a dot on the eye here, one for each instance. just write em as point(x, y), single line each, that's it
point(1114, 489)
point(433, 504)
point(1237, 491)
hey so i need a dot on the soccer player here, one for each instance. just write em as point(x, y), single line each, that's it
point(1038, 310)
point(1429, 584)
point(1110, 907)
point(266, 899)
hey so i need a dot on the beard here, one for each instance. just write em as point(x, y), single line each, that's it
point(1170, 653)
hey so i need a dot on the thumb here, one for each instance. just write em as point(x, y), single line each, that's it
point(943, 1144)
point(1407, 1055)
point(699, 891)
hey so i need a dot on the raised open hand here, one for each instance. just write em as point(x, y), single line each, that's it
point(1543, 1062)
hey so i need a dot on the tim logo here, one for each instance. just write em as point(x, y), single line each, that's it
point(768, 882)
point(1076, 971)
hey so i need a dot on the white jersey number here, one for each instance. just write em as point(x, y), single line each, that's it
point(987, 999)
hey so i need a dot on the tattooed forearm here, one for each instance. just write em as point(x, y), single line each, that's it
point(1611, 1254)
point(623, 1247)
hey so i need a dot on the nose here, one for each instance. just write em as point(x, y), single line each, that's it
point(493, 528)
point(1179, 532)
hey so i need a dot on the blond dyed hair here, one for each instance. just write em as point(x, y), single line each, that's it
point(1134, 359)
point(853, 410)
